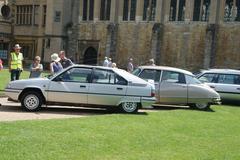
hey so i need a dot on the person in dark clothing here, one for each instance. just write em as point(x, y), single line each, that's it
point(65, 62)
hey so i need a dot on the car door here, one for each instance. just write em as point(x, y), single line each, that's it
point(71, 86)
point(173, 88)
point(107, 88)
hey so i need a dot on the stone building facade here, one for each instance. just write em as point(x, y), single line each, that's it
point(190, 34)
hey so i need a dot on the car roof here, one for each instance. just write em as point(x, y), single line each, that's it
point(167, 68)
point(128, 76)
point(224, 71)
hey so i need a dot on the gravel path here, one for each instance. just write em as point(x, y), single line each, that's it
point(12, 111)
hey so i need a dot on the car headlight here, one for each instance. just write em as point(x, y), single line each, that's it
point(9, 85)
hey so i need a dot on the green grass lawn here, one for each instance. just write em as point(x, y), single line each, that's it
point(165, 134)
point(5, 78)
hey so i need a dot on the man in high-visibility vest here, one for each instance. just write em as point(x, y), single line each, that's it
point(15, 63)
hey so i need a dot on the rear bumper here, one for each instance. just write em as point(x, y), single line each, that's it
point(147, 101)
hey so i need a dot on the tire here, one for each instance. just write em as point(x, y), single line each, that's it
point(31, 101)
point(129, 107)
point(200, 106)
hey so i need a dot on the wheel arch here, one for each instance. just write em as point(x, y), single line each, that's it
point(38, 90)
point(128, 99)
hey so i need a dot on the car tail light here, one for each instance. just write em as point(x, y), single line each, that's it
point(152, 93)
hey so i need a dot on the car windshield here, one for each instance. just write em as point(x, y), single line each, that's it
point(49, 76)
point(192, 80)
point(136, 71)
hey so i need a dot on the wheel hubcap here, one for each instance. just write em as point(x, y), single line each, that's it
point(201, 106)
point(129, 106)
point(31, 102)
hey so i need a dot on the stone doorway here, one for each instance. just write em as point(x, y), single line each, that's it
point(90, 56)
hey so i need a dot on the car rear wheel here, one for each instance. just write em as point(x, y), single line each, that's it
point(129, 107)
point(200, 106)
point(31, 101)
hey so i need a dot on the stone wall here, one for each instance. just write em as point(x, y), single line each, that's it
point(228, 46)
point(182, 45)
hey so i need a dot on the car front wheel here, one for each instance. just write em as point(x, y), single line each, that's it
point(31, 101)
point(201, 106)
point(129, 107)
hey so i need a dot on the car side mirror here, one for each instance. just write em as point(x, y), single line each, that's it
point(58, 79)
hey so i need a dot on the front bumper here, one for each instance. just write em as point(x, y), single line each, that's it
point(147, 101)
point(216, 101)
point(12, 93)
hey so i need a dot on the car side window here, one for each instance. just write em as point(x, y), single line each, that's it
point(103, 76)
point(228, 79)
point(107, 77)
point(81, 75)
point(150, 74)
point(208, 78)
point(173, 77)
point(120, 80)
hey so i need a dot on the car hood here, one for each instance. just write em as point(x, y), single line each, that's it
point(34, 82)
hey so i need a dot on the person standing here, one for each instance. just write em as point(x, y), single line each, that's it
point(151, 62)
point(110, 62)
point(1, 64)
point(55, 65)
point(130, 65)
point(105, 62)
point(114, 65)
point(65, 62)
point(15, 63)
point(36, 68)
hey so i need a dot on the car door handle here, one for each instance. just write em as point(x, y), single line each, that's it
point(238, 88)
point(119, 88)
point(81, 86)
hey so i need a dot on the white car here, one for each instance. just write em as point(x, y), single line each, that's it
point(87, 85)
point(176, 86)
point(225, 81)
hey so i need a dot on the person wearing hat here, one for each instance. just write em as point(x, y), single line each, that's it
point(130, 66)
point(15, 63)
point(105, 62)
point(55, 65)
point(151, 62)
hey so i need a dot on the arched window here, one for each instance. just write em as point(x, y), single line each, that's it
point(105, 10)
point(232, 10)
point(177, 10)
point(129, 10)
point(88, 10)
point(149, 10)
point(201, 10)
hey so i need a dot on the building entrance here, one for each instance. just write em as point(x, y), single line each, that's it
point(90, 56)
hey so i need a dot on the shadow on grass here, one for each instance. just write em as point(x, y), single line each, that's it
point(168, 107)
point(66, 110)
point(231, 103)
